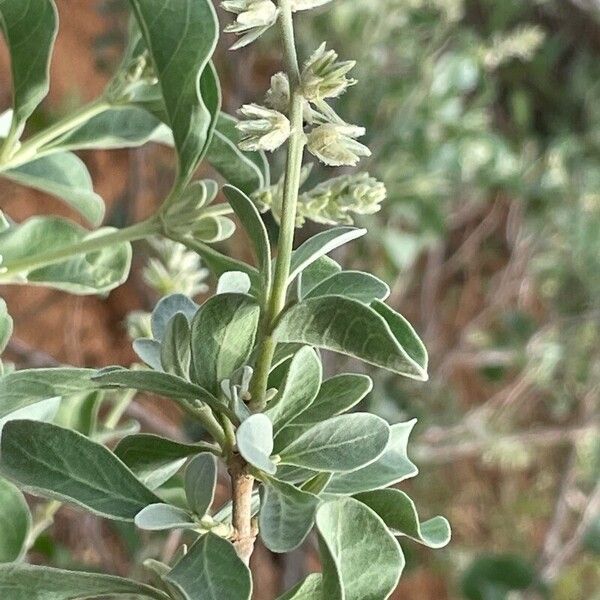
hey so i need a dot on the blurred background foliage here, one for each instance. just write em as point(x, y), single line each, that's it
point(484, 121)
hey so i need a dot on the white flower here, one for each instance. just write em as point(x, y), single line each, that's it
point(263, 129)
point(307, 4)
point(254, 17)
point(335, 145)
point(324, 76)
point(278, 95)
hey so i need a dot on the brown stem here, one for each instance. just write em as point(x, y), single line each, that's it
point(241, 493)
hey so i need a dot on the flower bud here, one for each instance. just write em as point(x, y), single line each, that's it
point(278, 95)
point(335, 145)
point(254, 17)
point(263, 129)
point(324, 76)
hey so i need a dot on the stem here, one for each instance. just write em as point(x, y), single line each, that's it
point(241, 495)
point(29, 149)
point(92, 244)
point(295, 153)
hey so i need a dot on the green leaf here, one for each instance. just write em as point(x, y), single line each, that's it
point(319, 245)
point(360, 559)
point(181, 36)
point(359, 286)
point(201, 483)
point(392, 467)
point(160, 517)
point(53, 462)
point(315, 273)
point(250, 218)
point(493, 577)
point(234, 282)
point(211, 570)
point(26, 582)
point(286, 515)
point(79, 412)
point(400, 515)
point(6, 325)
point(339, 444)
point(92, 273)
point(28, 386)
point(349, 327)
point(154, 459)
point(116, 127)
point(149, 350)
point(309, 589)
point(45, 410)
point(30, 30)
point(336, 396)
point(166, 309)
point(240, 169)
point(65, 176)
point(15, 523)
point(223, 333)
point(298, 389)
point(175, 350)
point(255, 442)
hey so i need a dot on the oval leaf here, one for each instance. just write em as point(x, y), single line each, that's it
point(360, 559)
point(349, 327)
point(343, 443)
point(392, 467)
point(255, 442)
point(53, 462)
point(200, 483)
point(211, 570)
point(15, 523)
point(359, 286)
point(160, 517)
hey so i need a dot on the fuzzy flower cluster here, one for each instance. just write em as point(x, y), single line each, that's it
point(324, 77)
point(335, 201)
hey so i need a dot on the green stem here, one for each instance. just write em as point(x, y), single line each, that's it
point(295, 153)
point(92, 244)
point(29, 149)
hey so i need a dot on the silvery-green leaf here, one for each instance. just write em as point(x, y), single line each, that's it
point(211, 570)
point(223, 333)
point(53, 462)
point(336, 396)
point(160, 517)
point(45, 410)
point(65, 176)
point(361, 560)
point(253, 224)
point(149, 351)
point(309, 589)
point(15, 522)
point(286, 515)
point(92, 273)
point(319, 245)
point(292, 474)
point(234, 282)
point(400, 515)
point(349, 327)
point(154, 459)
point(175, 348)
point(167, 308)
point(116, 127)
point(363, 287)
point(28, 386)
point(244, 170)
point(392, 467)
point(200, 483)
point(339, 444)
point(315, 485)
point(29, 54)
point(255, 442)
point(27, 582)
point(6, 325)
point(298, 390)
point(323, 268)
point(211, 230)
point(181, 46)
